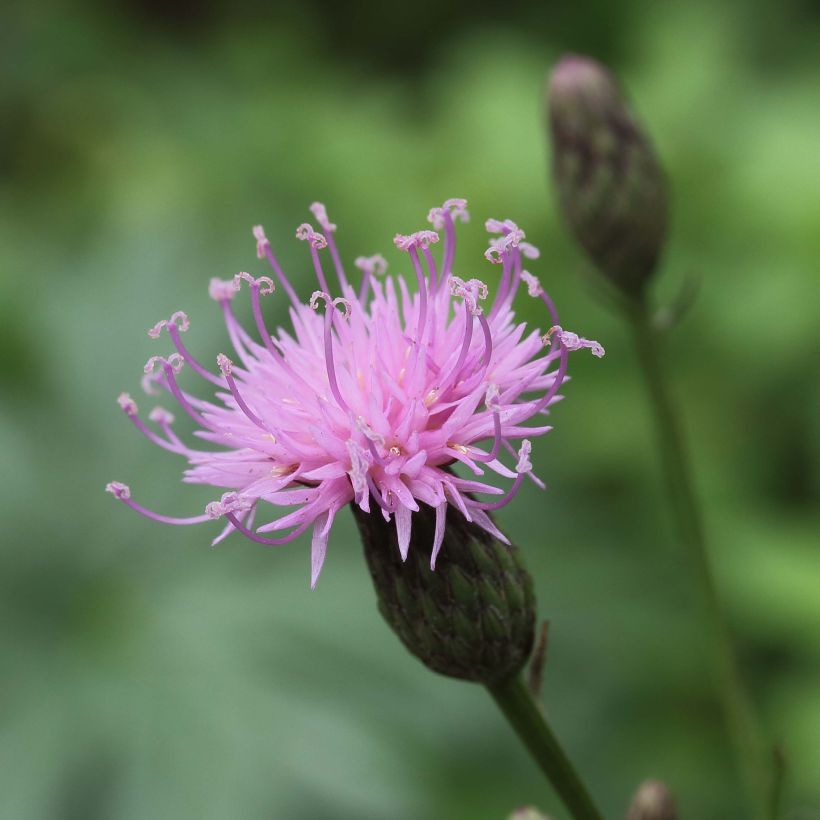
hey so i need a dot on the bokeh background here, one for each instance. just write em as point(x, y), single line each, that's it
point(144, 674)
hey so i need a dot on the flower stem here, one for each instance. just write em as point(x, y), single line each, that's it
point(742, 723)
point(525, 716)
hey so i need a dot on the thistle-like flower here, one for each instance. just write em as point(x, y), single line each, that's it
point(370, 403)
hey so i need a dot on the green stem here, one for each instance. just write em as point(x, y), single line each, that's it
point(525, 716)
point(740, 717)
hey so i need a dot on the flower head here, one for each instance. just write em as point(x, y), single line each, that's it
point(370, 398)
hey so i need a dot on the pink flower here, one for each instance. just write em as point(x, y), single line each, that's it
point(371, 395)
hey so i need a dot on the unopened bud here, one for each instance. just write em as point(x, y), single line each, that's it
point(473, 616)
point(652, 801)
point(610, 185)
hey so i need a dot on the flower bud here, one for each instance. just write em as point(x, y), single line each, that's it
point(652, 801)
point(610, 185)
point(473, 616)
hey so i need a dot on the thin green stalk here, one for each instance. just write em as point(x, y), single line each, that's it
point(525, 716)
point(747, 737)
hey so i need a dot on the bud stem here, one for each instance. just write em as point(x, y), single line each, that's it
point(526, 717)
point(741, 719)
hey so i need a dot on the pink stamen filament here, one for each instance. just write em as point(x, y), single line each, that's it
point(431, 267)
point(493, 454)
point(488, 341)
point(235, 332)
point(365, 285)
point(449, 245)
point(241, 402)
point(260, 322)
point(337, 262)
point(503, 285)
point(465, 346)
point(530, 475)
point(495, 505)
point(550, 307)
point(422, 319)
point(317, 265)
point(164, 519)
point(557, 381)
point(280, 274)
point(180, 397)
point(329, 362)
point(171, 446)
point(173, 332)
point(270, 542)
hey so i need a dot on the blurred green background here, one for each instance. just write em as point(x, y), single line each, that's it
point(144, 674)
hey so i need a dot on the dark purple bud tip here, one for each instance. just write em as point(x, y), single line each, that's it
point(610, 185)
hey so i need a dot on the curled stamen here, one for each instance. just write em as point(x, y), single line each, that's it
point(306, 233)
point(572, 341)
point(128, 405)
point(318, 295)
point(504, 226)
point(503, 245)
point(316, 242)
point(256, 308)
point(122, 492)
point(444, 217)
point(524, 464)
point(224, 364)
point(470, 291)
point(454, 208)
point(344, 304)
point(261, 241)
point(419, 239)
point(149, 383)
point(170, 367)
point(119, 490)
point(371, 265)
point(320, 212)
point(222, 290)
point(339, 303)
point(178, 320)
point(161, 416)
point(478, 287)
point(264, 284)
point(230, 502)
point(528, 250)
point(174, 362)
point(533, 285)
